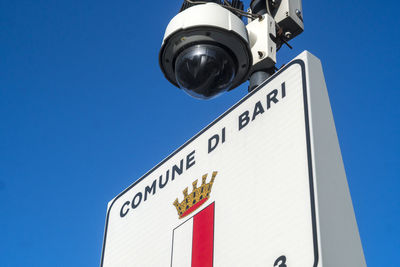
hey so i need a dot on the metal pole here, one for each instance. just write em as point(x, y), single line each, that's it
point(257, 78)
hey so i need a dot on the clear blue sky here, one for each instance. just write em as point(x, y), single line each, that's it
point(85, 111)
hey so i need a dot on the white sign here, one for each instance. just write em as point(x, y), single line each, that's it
point(240, 193)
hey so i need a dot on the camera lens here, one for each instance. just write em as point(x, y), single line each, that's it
point(204, 71)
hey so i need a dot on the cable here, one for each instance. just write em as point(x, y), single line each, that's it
point(227, 3)
point(268, 11)
point(241, 12)
point(244, 13)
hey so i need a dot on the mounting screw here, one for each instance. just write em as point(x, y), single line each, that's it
point(298, 12)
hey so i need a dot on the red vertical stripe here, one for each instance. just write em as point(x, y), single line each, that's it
point(203, 238)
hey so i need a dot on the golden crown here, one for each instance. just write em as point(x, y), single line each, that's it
point(195, 199)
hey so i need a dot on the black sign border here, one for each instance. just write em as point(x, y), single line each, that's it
point(309, 155)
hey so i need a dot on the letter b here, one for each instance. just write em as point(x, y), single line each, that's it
point(244, 120)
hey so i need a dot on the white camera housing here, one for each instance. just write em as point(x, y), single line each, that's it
point(289, 16)
point(263, 47)
point(206, 24)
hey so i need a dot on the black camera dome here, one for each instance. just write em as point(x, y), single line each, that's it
point(204, 70)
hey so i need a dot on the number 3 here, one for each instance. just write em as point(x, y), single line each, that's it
point(280, 262)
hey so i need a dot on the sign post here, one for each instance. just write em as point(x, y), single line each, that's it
point(263, 185)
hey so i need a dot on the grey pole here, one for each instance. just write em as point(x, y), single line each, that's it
point(257, 78)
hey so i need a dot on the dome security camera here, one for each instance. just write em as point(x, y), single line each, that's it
point(207, 49)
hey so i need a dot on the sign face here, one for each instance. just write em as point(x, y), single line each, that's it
point(240, 193)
